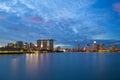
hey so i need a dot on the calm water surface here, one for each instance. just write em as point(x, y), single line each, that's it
point(60, 66)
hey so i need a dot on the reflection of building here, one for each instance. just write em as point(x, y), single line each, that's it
point(51, 44)
point(19, 44)
point(45, 45)
point(39, 44)
point(94, 46)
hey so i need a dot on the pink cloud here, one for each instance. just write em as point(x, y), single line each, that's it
point(33, 19)
point(116, 7)
point(2, 16)
point(36, 19)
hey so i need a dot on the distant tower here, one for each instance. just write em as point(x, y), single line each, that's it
point(32, 46)
point(79, 48)
point(39, 44)
point(19, 44)
point(51, 44)
point(88, 48)
point(94, 46)
point(45, 45)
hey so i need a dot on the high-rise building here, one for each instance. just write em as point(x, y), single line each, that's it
point(88, 48)
point(32, 46)
point(26, 46)
point(94, 46)
point(19, 44)
point(51, 44)
point(79, 48)
point(39, 44)
point(45, 45)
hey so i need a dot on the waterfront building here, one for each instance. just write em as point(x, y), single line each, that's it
point(19, 44)
point(113, 48)
point(26, 46)
point(101, 47)
point(79, 48)
point(51, 45)
point(45, 45)
point(94, 46)
point(39, 44)
point(10, 45)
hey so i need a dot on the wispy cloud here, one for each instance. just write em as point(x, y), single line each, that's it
point(3, 16)
point(116, 7)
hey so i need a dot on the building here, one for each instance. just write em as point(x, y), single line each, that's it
point(39, 44)
point(12, 45)
point(94, 46)
point(45, 45)
point(79, 48)
point(87, 48)
point(101, 47)
point(19, 44)
point(113, 48)
point(32, 46)
point(26, 46)
point(51, 45)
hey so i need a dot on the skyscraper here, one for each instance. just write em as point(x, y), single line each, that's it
point(51, 44)
point(19, 44)
point(39, 44)
point(94, 46)
point(45, 45)
point(79, 48)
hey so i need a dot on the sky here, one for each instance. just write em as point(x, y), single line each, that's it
point(66, 21)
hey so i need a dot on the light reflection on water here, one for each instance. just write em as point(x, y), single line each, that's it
point(61, 66)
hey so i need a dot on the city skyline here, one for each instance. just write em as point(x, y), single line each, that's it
point(47, 45)
point(67, 22)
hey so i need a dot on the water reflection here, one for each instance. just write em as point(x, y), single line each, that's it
point(14, 66)
point(31, 64)
point(68, 66)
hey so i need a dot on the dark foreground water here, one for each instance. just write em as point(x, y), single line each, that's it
point(60, 66)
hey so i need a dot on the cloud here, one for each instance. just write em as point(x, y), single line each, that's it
point(33, 19)
point(69, 20)
point(3, 16)
point(116, 7)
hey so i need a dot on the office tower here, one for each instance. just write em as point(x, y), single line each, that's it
point(19, 44)
point(79, 48)
point(14, 45)
point(45, 45)
point(88, 48)
point(32, 46)
point(39, 44)
point(26, 46)
point(94, 46)
point(51, 44)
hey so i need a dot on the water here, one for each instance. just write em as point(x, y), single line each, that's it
point(60, 66)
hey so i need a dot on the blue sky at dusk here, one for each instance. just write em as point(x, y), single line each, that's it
point(63, 20)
